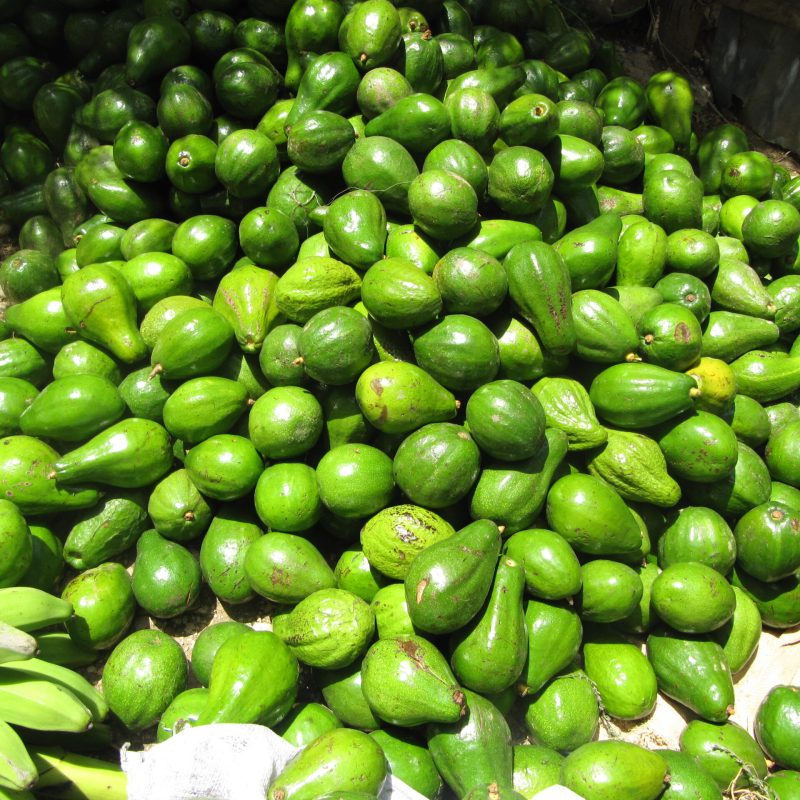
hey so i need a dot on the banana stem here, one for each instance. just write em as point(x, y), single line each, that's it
point(75, 777)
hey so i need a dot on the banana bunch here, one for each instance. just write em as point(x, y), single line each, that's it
point(45, 694)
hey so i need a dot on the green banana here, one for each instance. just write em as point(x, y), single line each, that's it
point(59, 648)
point(29, 609)
point(40, 704)
point(10, 794)
point(66, 678)
point(17, 770)
point(74, 777)
point(15, 645)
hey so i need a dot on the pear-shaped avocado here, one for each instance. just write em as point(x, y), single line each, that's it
point(16, 395)
point(393, 537)
point(225, 466)
point(82, 358)
point(166, 576)
point(418, 122)
point(475, 750)
point(728, 335)
point(330, 628)
point(253, 680)
point(513, 493)
point(103, 532)
point(591, 516)
point(721, 750)
point(41, 319)
point(605, 332)
point(195, 342)
point(341, 689)
point(565, 714)
point(383, 165)
point(699, 534)
point(550, 566)
point(287, 497)
point(104, 606)
point(16, 552)
point(26, 465)
point(738, 288)
point(398, 397)
point(245, 298)
point(155, 276)
point(306, 722)
point(539, 286)
point(336, 345)
point(614, 769)
point(340, 762)
point(144, 396)
point(622, 674)
point(767, 541)
point(634, 465)
point(489, 653)
point(203, 407)
point(694, 671)
point(371, 34)
point(130, 454)
point(223, 551)
point(407, 681)
point(399, 295)
point(590, 252)
point(449, 581)
point(355, 228)
point(73, 409)
point(437, 465)
point(155, 45)
point(286, 568)
point(554, 637)
point(677, 592)
point(409, 761)
point(459, 351)
point(567, 407)
point(101, 305)
point(506, 420)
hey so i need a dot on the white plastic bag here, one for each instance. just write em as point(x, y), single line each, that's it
point(219, 762)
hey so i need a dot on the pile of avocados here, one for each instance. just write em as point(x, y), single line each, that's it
point(430, 331)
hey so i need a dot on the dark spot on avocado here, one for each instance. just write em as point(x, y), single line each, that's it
point(411, 649)
point(682, 332)
point(279, 577)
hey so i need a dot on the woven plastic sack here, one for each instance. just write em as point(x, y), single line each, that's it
point(220, 762)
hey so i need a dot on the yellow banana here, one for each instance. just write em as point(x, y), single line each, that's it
point(17, 771)
point(30, 609)
point(59, 648)
point(40, 704)
point(66, 678)
point(15, 645)
point(73, 777)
